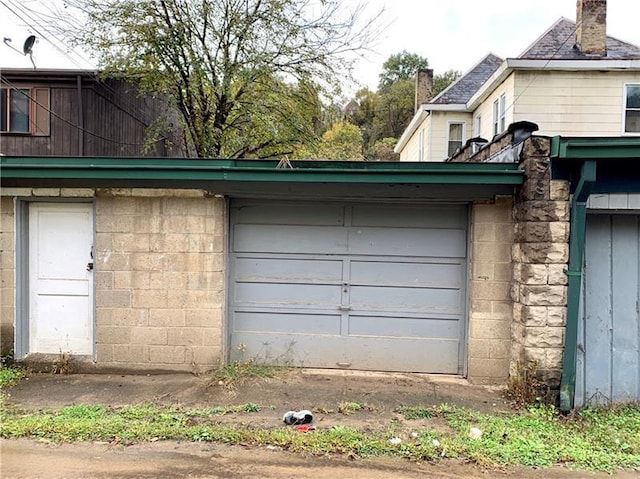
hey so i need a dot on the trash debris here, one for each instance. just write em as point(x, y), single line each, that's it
point(293, 418)
point(395, 440)
point(415, 435)
point(273, 448)
point(475, 433)
point(436, 443)
point(305, 428)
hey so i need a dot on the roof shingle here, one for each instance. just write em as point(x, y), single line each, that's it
point(467, 85)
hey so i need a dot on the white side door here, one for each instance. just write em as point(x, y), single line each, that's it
point(60, 278)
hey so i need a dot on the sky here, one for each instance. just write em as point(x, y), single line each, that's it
point(451, 34)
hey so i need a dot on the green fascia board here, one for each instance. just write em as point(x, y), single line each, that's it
point(594, 148)
point(183, 169)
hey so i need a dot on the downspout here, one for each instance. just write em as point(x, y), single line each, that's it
point(578, 223)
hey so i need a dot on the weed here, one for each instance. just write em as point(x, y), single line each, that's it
point(7, 360)
point(10, 376)
point(232, 375)
point(62, 364)
point(524, 387)
point(416, 412)
point(347, 408)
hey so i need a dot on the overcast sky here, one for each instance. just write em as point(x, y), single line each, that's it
point(452, 34)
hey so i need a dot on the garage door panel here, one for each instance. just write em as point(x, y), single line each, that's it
point(292, 295)
point(290, 239)
point(405, 242)
point(305, 271)
point(379, 273)
point(399, 327)
point(348, 352)
point(452, 217)
point(307, 323)
point(290, 214)
point(608, 358)
point(381, 289)
point(384, 298)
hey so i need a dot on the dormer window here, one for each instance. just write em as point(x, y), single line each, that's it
point(632, 108)
point(24, 111)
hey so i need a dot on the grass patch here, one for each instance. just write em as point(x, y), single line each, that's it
point(232, 375)
point(416, 412)
point(593, 439)
point(10, 376)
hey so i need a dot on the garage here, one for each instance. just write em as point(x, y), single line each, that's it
point(608, 360)
point(367, 286)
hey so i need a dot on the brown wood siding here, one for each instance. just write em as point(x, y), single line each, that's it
point(115, 120)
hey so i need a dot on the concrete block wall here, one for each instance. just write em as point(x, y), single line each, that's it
point(490, 312)
point(159, 279)
point(7, 273)
point(541, 254)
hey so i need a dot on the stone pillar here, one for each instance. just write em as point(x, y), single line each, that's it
point(591, 27)
point(7, 273)
point(540, 254)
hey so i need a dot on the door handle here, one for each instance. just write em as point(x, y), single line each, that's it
point(90, 266)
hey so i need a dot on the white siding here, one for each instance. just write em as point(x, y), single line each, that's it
point(486, 107)
point(572, 103)
point(439, 135)
point(411, 150)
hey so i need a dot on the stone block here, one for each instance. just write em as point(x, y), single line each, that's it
point(537, 146)
point(52, 192)
point(542, 232)
point(557, 316)
point(533, 273)
point(540, 253)
point(559, 190)
point(534, 315)
point(557, 274)
point(537, 355)
point(553, 358)
point(534, 189)
point(545, 211)
point(15, 191)
point(544, 337)
point(545, 295)
point(149, 335)
point(167, 354)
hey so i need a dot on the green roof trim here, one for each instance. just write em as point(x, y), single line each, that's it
point(148, 170)
point(594, 148)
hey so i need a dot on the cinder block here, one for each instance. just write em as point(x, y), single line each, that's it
point(490, 290)
point(113, 299)
point(185, 336)
point(131, 353)
point(486, 370)
point(492, 252)
point(104, 280)
point(104, 353)
point(8, 192)
point(108, 261)
point(148, 335)
point(77, 192)
point(490, 329)
point(129, 317)
point(174, 318)
point(206, 318)
point(150, 298)
point(113, 335)
point(167, 354)
point(147, 261)
point(206, 357)
point(130, 242)
point(52, 192)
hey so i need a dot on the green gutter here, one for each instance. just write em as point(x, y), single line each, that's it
point(574, 273)
point(203, 170)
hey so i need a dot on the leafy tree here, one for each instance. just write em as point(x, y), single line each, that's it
point(244, 75)
point(399, 67)
point(394, 109)
point(382, 150)
point(343, 141)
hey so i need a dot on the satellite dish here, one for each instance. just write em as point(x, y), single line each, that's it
point(28, 44)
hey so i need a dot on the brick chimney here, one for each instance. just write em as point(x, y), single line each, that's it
point(591, 27)
point(424, 86)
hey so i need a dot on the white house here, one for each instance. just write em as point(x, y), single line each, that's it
point(573, 81)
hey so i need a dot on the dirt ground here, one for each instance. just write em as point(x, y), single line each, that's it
point(320, 391)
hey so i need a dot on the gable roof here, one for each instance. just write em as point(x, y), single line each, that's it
point(558, 43)
point(463, 88)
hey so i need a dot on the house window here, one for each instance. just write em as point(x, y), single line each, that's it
point(632, 109)
point(456, 133)
point(500, 114)
point(421, 145)
point(24, 110)
point(477, 126)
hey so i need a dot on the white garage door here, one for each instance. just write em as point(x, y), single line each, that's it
point(362, 286)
